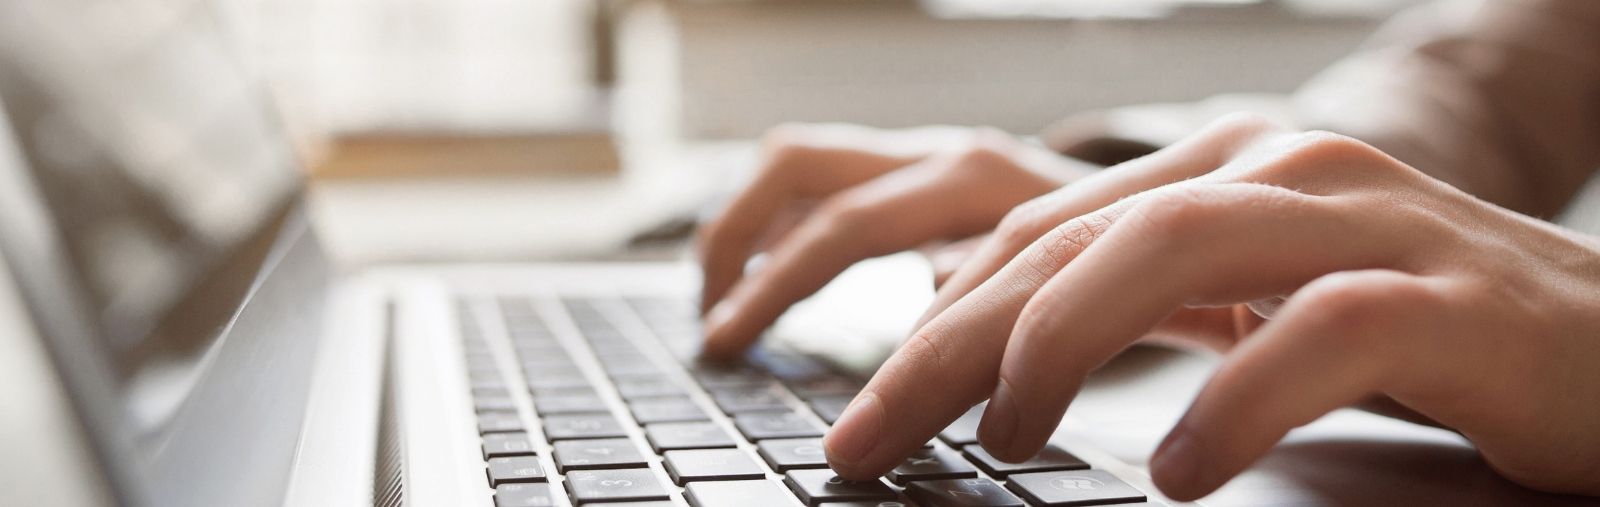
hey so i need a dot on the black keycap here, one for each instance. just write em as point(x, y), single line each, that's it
point(822, 485)
point(741, 400)
point(534, 348)
point(609, 342)
point(762, 426)
point(553, 364)
point(826, 386)
point(484, 376)
point(738, 494)
point(630, 484)
point(691, 435)
point(965, 430)
point(789, 454)
point(720, 378)
point(562, 391)
point(515, 469)
point(506, 444)
point(523, 495)
point(568, 404)
point(486, 381)
point(711, 465)
point(789, 367)
point(829, 408)
point(574, 426)
point(536, 381)
point(498, 422)
point(630, 367)
point(556, 368)
point(493, 404)
point(597, 453)
point(659, 410)
point(931, 464)
point(627, 350)
point(1079, 487)
point(975, 492)
point(474, 344)
point(499, 390)
point(1050, 458)
point(653, 386)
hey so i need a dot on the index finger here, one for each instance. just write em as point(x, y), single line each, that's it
point(950, 364)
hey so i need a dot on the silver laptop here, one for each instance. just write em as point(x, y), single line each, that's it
point(172, 335)
point(175, 336)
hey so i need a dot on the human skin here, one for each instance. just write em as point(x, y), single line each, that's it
point(1394, 286)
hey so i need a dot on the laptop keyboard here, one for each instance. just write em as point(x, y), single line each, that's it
point(625, 416)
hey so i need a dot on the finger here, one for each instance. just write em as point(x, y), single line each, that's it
point(919, 203)
point(1334, 344)
point(802, 163)
point(959, 352)
point(1195, 244)
point(1196, 155)
point(945, 259)
point(1212, 329)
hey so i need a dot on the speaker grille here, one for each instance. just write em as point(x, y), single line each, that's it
point(389, 484)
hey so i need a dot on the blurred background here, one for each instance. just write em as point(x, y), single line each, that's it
point(518, 129)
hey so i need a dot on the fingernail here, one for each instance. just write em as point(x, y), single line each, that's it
point(856, 432)
point(719, 316)
point(999, 427)
point(1176, 467)
point(714, 326)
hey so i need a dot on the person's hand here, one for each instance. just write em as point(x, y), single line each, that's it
point(828, 196)
point(1394, 283)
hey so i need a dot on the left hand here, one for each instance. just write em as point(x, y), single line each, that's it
point(1397, 285)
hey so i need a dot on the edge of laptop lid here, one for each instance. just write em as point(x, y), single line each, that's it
point(226, 432)
point(69, 464)
point(231, 438)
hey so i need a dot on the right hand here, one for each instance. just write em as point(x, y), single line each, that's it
point(828, 196)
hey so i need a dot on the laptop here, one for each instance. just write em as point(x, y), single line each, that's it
point(202, 351)
point(172, 334)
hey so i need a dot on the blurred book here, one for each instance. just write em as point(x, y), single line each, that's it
point(410, 155)
point(731, 69)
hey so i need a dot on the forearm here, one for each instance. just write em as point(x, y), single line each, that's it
point(1503, 102)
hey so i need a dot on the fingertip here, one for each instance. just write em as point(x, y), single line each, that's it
point(1177, 468)
point(855, 435)
point(717, 345)
point(998, 430)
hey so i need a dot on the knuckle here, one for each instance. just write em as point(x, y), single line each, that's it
point(1073, 237)
point(844, 216)
point(1318, 147)
point(784, 134)
point(1307, 156)
point(984, 150)
point(1242, 124)
point(1366, 304)
point(784, 144)
point(1172, 211)
point(1018, 227)
point(923, 349)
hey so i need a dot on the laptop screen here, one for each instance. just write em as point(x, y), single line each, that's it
point(153, 149)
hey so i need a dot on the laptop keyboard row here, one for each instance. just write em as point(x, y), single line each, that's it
point(713, 435)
